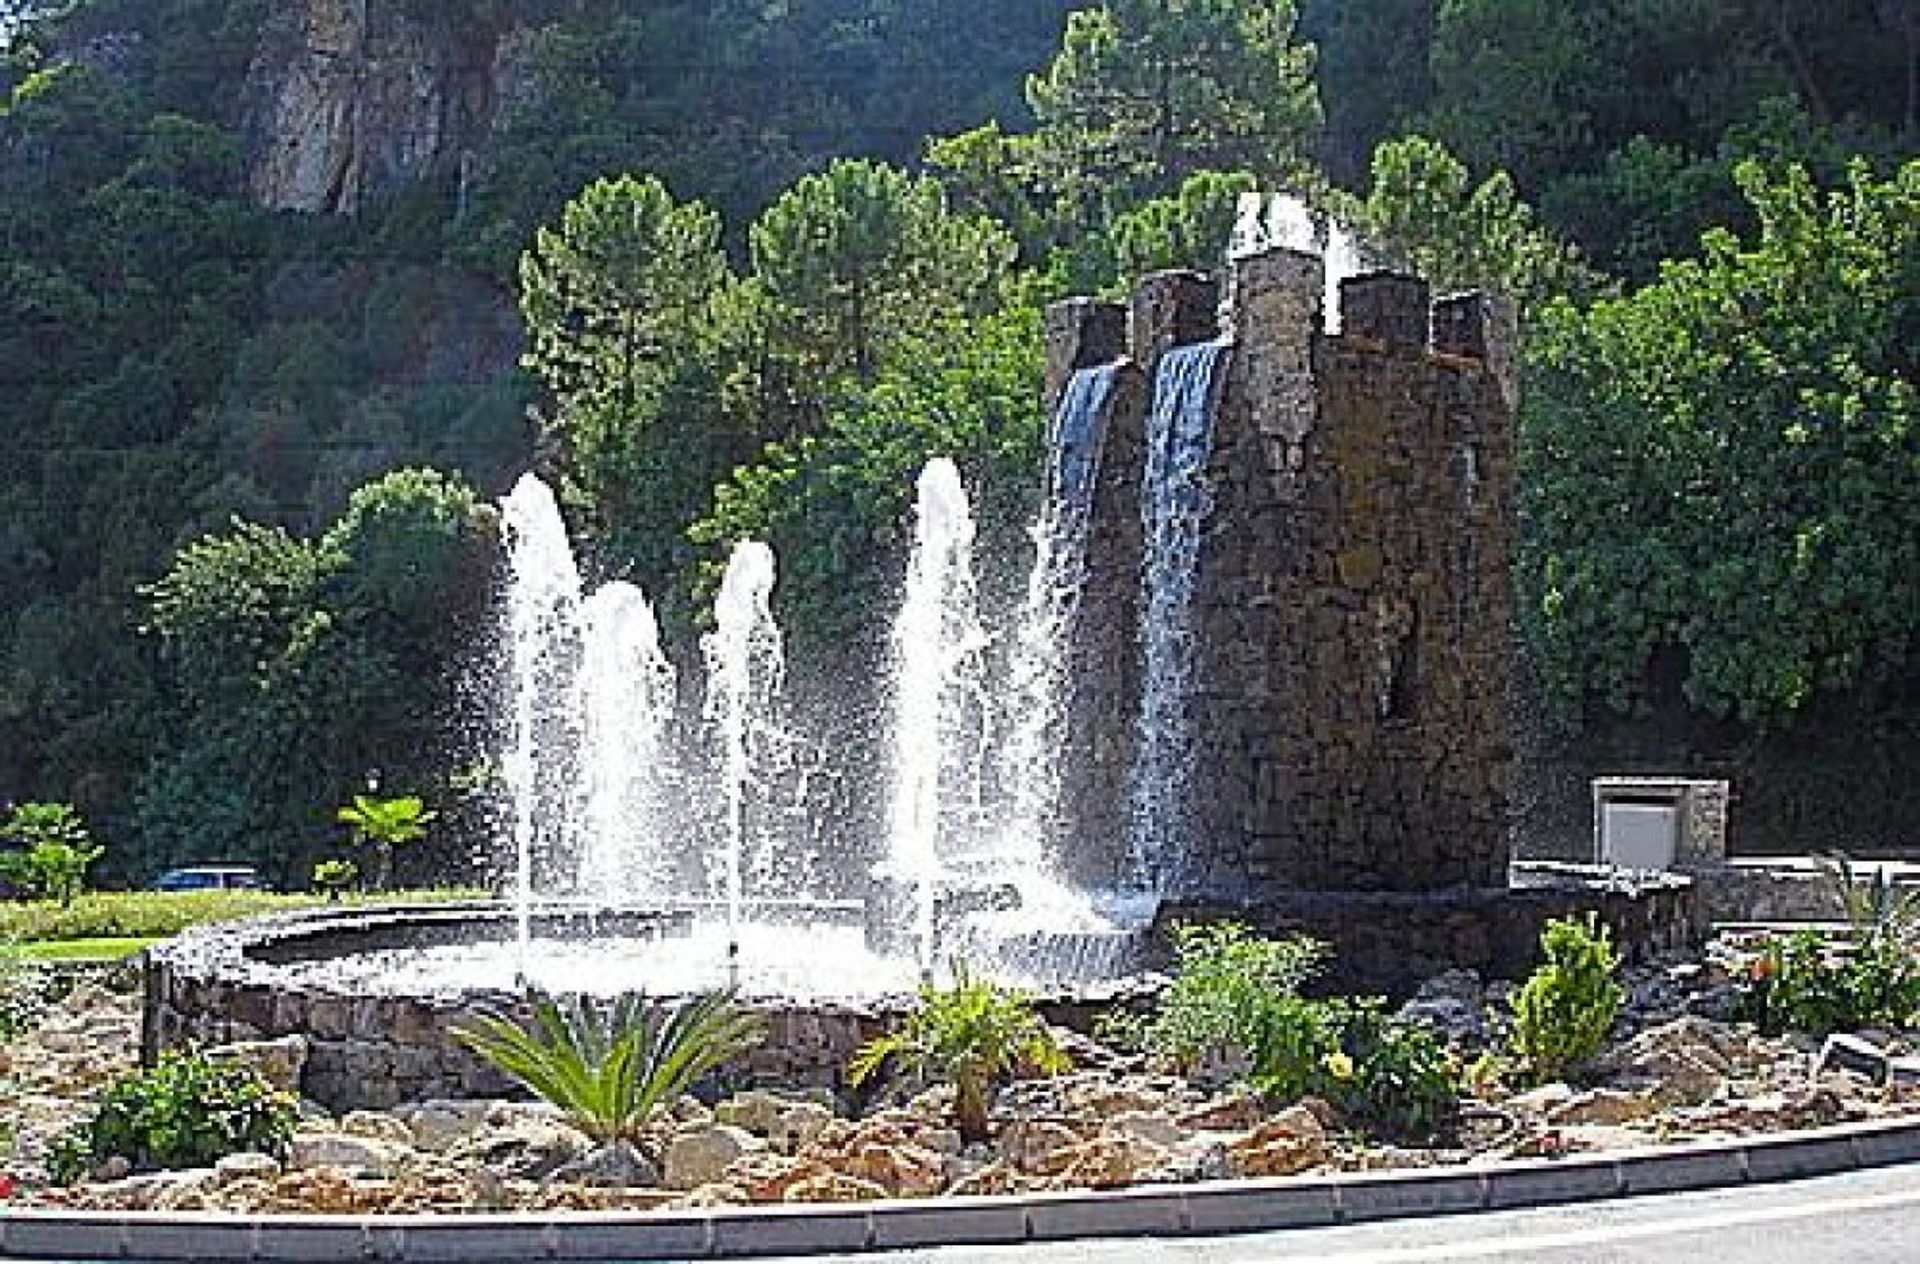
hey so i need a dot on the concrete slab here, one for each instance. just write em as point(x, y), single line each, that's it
point(1671, 1171)
point(947, 1222)
point(1542, 1184)
point(1132, 1214)
point(1241, 1206)
point(674, 1237)
point(795, 1230)
point(1386, 1196)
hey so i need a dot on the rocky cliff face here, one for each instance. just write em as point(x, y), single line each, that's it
point(348, 99)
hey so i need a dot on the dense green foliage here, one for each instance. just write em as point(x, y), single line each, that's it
point(1807, 982)
point(1565, 1008)
point(971, 1034)
point(1235, 1006)
point(1727, 462)
point(608, 1067)
point(187, 1110)
point(748, 313)
point(51, 851)
point(381, 824)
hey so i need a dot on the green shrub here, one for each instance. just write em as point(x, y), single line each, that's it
point(971, 1034)
point(23, 990)
point(1563, 1012)
point(55, 850)
point(380, 825)
point(608, 1067)
point(1808, 982)
point(1235, 1002)
point(185, 1111)
point(333, 877)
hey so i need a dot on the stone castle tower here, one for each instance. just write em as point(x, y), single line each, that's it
point(1351, 616)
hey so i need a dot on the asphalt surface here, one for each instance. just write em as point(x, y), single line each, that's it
point(1870, 1217)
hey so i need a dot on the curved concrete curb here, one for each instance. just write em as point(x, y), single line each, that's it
point(1154, 1211)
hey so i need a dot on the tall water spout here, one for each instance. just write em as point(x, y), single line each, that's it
point(1174, 502)
point(745, 666)
point(627, 695)
point(543, 601)
point(939, 742)
point(1029, 762)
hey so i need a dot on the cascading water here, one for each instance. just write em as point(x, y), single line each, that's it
point(939, 704)
point(1175, 500)
point(745, 668)
point(543, 600)
point(627, 760)
point(1029, 763)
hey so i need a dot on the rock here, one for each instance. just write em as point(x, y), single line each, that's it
point(617, 1164)
point(248, 1166)
point(1852, 1053)
point(1030, 1144)
point(343, 1150)
point(904, 1171)
point(1150, 1126)
point(376, 1124)
point(530, 1149)
point(798, 1125)
point(1231, 1112)
point(1106, 1162)
point(699, 1155)
point(993, 1178)
point(440, 1125)
point(279, 1062)
point(756, 1111)
point(186, 1191)
point(1454, 1004)
point(1293, 1141)
point(1686, 1060)
point(1610, 1107)
point(1542, 1100)
point(833, 1187)
point(115, 1167)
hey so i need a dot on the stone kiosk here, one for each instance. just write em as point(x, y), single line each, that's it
point(1351, 622)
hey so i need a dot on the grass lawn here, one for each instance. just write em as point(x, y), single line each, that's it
point(83, 949)
point(144, 916)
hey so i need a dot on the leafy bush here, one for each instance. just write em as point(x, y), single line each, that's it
point(23, 985)
point(333, 877)
point(609, 1066)
point(382, 825)
point(972, 1034)
point(1563, 1012)
point(1235, 1002)
point(1808, 982)
point(56, 850)
point(187, 1110)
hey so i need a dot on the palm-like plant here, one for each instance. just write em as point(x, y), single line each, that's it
point(385, 824)
point(1875, 908)
point(971, 1034)
point(608, 1066)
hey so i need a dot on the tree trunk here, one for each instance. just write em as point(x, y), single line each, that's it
point(970, 1107)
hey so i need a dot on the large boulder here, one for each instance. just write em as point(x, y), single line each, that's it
point(1291, 1142)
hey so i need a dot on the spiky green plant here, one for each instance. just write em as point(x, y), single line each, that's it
point(971, 1034)
point(1875, 908)
point(607, 1066)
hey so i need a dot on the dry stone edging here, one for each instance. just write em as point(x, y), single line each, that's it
point(1149, 1211)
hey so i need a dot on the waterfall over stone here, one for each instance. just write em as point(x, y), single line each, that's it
point(1175, 499)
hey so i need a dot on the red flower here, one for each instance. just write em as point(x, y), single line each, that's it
point(7, 1186)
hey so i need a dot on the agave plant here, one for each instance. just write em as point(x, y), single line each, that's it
point(1874, 907)
point(971, 1034)
point(608, 1066)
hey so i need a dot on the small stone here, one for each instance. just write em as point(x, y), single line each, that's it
point(343, 1150)
point(1232, 1112)
point(376, 1124)
point(1030, 1144)
point(1609, 1107)
point(1149, 1126)
point(700, 1155)
point(756, 1111)
point(249, 1166)
point(1852, 1053)
point(799, 1124)
point(833, 1187)
point(1293, 1141)
point(530, 1149)
point(617, 1164)
point(441, 1125)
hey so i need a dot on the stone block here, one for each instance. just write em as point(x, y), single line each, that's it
point(1254, 1206)
point(1666, 1171)
point(1388, 308)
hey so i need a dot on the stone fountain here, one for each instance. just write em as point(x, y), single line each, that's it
point(1260, 670)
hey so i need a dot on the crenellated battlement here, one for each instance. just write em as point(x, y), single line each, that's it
point(1351, 607)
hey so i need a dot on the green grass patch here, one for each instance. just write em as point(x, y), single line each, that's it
point(149, 915)
point(83, 949)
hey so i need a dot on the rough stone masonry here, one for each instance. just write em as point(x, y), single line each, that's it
point(1352, 608)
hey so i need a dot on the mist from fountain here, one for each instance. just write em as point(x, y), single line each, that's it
point(629, 767)
point(543, 599)
point(745, 671)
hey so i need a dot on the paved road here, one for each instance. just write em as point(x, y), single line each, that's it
point(1859, 1218)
